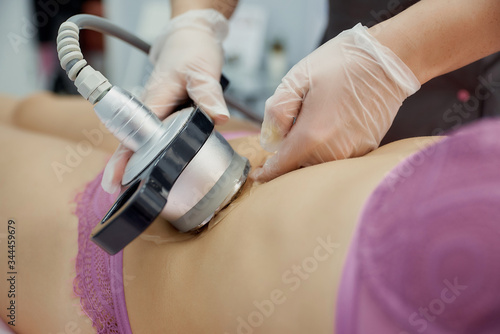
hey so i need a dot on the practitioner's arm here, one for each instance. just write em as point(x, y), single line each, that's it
point(188, 59)
point(313, 119)
point(225, 7)
point(434, 37)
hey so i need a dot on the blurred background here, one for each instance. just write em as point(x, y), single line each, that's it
point(267, 37)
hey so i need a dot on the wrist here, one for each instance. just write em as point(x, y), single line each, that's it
point(206, 20)
point(226, 7)
point(435, 37)
point(402, 46)
point(397, 71)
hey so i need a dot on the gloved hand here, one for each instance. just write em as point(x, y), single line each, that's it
point(336, 103)
point(188, 60)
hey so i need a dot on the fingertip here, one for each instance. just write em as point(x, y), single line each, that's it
point(108, 186)
point(217, 112)
point(216, 108)
point(255, 174)
point(262, 175)
point(220, 119)
point(108, 181)
point(114, 170)
point(111, 179)
point(267, 172)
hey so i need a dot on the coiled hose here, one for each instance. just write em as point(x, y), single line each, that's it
point(91, 84)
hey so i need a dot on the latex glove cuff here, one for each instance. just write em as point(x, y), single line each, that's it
point(392, 65)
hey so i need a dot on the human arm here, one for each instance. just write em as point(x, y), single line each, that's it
point(340, 101)
point(188, 58)
point(226, 7)
point(439, 36)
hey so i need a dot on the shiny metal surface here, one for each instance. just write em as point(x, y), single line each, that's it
point(236, 186)
point(171, 126)
point(128, 119)
point(233, 189)
point(206, 184)
point(217, 198)
point(199, 177)
point(137, 128)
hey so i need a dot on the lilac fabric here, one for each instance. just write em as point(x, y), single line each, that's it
point(426, 254)
point(99, 276)
point(4, 328)
point(228, 135)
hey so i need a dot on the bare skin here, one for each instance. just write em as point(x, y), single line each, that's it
point(264, 248)
point(205, 283)
point(434, 37)
point(226, 7)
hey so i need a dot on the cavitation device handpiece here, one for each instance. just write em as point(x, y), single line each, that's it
point(182, 169)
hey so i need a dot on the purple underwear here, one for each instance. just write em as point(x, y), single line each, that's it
point(425, 257)
point(99, 276)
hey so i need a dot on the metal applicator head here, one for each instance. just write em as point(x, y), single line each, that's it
point(182, 169)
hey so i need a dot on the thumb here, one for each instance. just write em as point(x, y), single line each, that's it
point(115, 168)
point(283, 108)
point(286, 159)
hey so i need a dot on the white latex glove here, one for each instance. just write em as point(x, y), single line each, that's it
point(188, 60)
point(343, 98)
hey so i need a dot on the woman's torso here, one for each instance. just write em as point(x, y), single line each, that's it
point(271, 264)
